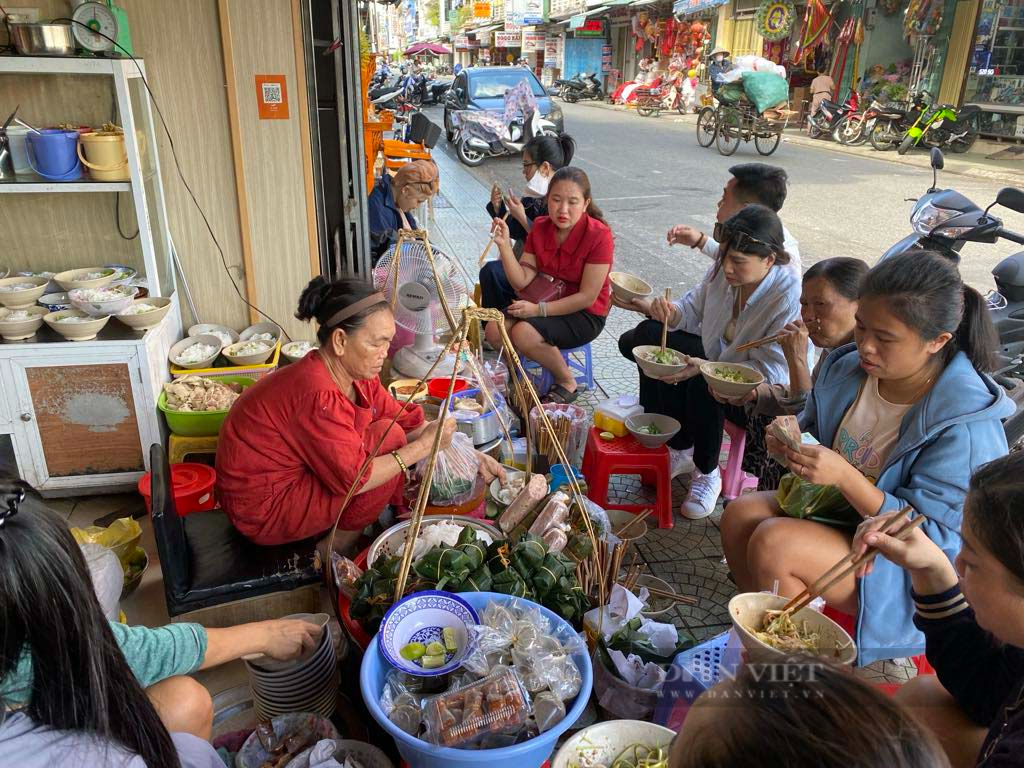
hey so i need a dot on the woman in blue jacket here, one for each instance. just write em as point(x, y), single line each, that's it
point(903, 418)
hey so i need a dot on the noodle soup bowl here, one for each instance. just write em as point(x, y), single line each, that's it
point(717, 382)
point(655, 370)
point(602, 743)
point(747, 612)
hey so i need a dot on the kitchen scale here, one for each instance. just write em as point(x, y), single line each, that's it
point(97, 21)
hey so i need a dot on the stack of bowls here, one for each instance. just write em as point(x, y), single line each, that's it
point(307, 684)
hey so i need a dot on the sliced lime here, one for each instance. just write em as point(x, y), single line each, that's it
point(412, 651)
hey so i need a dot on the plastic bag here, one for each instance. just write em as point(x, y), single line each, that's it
point(573, 437)
point(548, 710)
point(821, 503)
point(765, 89)
point(107, 577)
point(460, 717)
point(455, 473)
point(122, 537)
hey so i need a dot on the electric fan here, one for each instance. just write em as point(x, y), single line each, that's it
point(404, 275)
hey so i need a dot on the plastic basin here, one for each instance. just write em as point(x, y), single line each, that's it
point(421, 754)
point(193, 486)
point(198, 423)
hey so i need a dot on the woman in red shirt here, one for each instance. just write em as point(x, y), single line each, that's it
point(293, 443)
point(572, 244)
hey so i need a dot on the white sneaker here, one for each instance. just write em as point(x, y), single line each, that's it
point(704, 493)
point(681, 462)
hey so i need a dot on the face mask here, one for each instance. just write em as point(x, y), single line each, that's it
point(538, 184)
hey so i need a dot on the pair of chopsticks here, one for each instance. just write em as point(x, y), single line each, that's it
point(637, 519)
point(684, 599)
point(487, 248)
point(898, 527)
point(761, 342)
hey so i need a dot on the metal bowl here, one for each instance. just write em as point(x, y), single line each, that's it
point(389, 542)
point(42, 39)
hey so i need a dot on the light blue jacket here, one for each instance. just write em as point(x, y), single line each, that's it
point(942, 439)
point(707, 308)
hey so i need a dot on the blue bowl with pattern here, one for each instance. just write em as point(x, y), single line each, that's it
point(422, 617)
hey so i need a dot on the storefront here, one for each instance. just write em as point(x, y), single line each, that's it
point(995, 73)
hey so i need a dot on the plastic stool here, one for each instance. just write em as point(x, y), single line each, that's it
point(734, 480)
point(624, 455)
point(849, 623)
point(582, 370)
point(180, 446)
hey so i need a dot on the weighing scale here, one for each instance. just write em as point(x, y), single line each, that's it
point(97, 21)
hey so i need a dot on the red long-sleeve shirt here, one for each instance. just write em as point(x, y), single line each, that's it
point(291, 448)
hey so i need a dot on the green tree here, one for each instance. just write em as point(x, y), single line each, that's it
point(432, 10)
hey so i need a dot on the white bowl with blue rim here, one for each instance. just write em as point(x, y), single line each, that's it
point(422, 618)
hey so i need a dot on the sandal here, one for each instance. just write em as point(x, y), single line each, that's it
point(560, 395)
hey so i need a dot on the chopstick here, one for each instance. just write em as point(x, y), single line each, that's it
point(851, 562)
point(664, 325)
point(642, 516)
point(487, 248)
point(685, 599)
point(760, 342)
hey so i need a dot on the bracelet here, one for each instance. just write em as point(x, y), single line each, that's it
point(701, 242)
point(401, 464)
point(543, 307)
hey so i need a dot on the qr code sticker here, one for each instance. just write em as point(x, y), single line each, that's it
point(272, 93)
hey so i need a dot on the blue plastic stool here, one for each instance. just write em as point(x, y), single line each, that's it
point(583, 370)
point(694, 671)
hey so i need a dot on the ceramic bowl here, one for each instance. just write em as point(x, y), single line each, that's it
point(420, 618)
point(627, 287)
point(620, 518)
point(138, 561)
point(21, 292)
point(79, 278)
point(78, 331)
point(747, 611)
point(600, 744)
point(267, 663)
point(511, 473)
point(712, 375)
point(123, 274)
point(657, 370)
point(54, 302)
point(293, 350)
point(233, 353)
point(17, 330)
point(146, 320)
point(125, 295)
point(666, 427)
point(258, 328)
point(51, 285)
point(181, 346)
point(216, 330)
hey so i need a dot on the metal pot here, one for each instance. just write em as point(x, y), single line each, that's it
point(42, 39)
point(481, 428)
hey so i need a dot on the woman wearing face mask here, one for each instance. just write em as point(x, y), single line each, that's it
point(748, 294)
point(903, 417)
point(719, 65)
point(393, 199)
point(542, 156)
point(828, 304)
point(971, 612)
point(572, 244)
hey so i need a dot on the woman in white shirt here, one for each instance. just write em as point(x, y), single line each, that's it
point(747, 294)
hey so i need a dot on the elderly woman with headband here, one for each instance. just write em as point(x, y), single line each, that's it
point(292, 445)
point(393, 199)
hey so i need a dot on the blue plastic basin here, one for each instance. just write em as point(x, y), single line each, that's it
point(422, 754)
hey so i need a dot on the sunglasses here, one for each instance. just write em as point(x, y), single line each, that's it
point(740, 240)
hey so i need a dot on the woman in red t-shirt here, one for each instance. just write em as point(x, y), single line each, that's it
point(294, 442)
point(572, 244)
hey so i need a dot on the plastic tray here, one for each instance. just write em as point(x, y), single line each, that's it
point(254, 372)
point(198, 423)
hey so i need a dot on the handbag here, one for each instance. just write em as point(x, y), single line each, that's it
point(542, 288)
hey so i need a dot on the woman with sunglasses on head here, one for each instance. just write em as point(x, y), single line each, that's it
point(903, 417)
point(746, 295)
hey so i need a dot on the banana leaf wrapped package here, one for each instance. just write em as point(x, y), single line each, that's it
point(444, 565)
point(547, 575)
point(471, 546)
point(509, 582)
point(527, 555)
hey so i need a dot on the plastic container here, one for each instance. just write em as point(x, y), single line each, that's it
point(439, 387)
point(198, 423)
point(104, 155)
point(560, 477)
point(418, 753)
point(16, 137)
point(53, 154)
point(192, 486)
point(231, 372)
point(611, 415)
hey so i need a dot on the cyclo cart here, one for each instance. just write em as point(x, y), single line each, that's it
point(736, 119)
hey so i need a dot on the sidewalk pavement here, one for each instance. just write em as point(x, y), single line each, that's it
point(974, 163)
point(688, 556)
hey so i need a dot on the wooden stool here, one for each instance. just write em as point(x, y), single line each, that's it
point(180, 446)
point(624, 455)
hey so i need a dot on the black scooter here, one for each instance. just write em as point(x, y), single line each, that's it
point(584, 86)
point(943, 221)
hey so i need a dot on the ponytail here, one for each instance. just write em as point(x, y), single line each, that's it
point(596, 213)
point(556, 151)
point(976, 335)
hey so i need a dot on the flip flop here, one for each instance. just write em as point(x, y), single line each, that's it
point(560, 395)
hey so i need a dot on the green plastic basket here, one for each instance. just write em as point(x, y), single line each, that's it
point(198, 423)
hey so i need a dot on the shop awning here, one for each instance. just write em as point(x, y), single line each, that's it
point(488, 28)
point(686, 7)
point(575, 22)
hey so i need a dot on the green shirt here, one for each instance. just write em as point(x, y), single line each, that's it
point(152, 654)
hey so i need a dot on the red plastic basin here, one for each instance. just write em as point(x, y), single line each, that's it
point(193, 488)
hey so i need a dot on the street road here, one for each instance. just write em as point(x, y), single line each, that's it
point(648, 174)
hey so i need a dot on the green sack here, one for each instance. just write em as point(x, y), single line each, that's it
point(821, 503)
point(765, 90)
point(731, 93)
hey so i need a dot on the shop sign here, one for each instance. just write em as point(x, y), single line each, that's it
point(533, 42)
point(483, 38)
point(533, 11)
point(481, 10)
point(686, 7)
point(462, 42)
point(590, 28)
point(513, 14)
point(507, 39)
point(551, 44)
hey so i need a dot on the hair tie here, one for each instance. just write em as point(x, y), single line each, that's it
point(11, 505)
point(354, 309)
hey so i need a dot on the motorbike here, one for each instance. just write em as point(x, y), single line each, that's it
point(584, 86)
point(825, 119)
point(474, 149)
point(559, 87)
point(891, 124)
point(855, 128)
point(942, 126)
point(944, 221)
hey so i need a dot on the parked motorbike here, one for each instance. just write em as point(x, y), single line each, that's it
point(473, 150)
point(584, 86)
point(944, 221)
point(942, 126)
point(891, 124)
point(558, 88)
point(825, 119)
point(855, 128)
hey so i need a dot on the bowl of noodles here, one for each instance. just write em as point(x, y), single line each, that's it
point(656, 363)
point(769, 635)
point(730, 379)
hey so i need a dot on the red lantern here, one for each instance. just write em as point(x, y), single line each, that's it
point(696, 28)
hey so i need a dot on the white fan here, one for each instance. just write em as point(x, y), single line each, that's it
point(416, 297)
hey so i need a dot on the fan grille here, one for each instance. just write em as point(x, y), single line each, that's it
point(417, 305)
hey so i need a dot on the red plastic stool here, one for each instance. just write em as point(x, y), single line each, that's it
point(625, 456)
point(849, 623)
